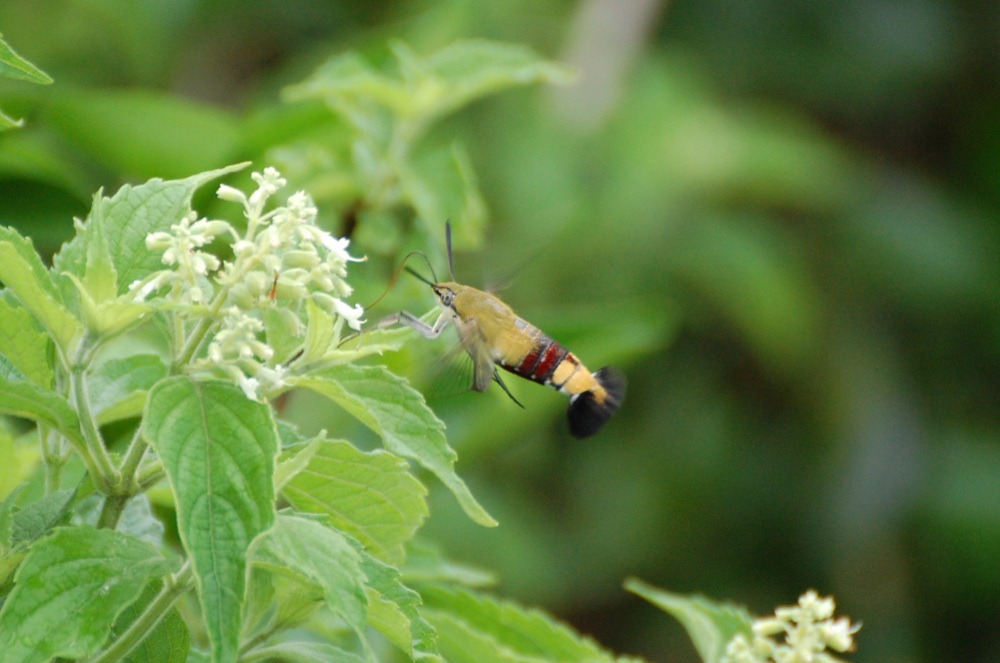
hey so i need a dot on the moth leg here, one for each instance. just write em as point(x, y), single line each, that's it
point(496, 377)
point(415, 323)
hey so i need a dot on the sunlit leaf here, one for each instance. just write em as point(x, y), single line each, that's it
point(324, 558)
point(22, 271)
point(128, 216)
point(307, 652)
point(442, 185)
point(371, 496)
point(24, 343)
point(471, 69)
point(425, 564)
point(393, 610)
point(23, 398)
point(400, 416)
point(218, 450)
point(118, 385)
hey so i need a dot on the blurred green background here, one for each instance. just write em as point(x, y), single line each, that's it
point(779, 218)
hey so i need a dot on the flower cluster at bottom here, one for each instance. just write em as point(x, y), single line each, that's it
point(809, 630)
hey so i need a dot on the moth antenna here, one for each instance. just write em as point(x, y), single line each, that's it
point(399, 269)
point(447, 238)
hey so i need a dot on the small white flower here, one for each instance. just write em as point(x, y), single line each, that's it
point(144, 288)
point(839, 634)
point(272, 379)
point(249, 386)
point(352, 315)
point(808, 629)
point(231, 194)
point(159, 241)
point(268, 183)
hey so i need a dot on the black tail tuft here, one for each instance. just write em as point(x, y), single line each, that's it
point(586, 415)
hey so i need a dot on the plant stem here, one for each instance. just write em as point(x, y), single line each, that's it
point(133, 457)
point(149, 475)
point(51, 457)
point(173, 587)
point(112, 510)
point(106, 476)
point(115, 504)
point(205, 322)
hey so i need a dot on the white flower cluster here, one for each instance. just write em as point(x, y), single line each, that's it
point(180, 247)
point(281, 260)
point(809, 630)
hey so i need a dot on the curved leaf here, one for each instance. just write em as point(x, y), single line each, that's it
point(371, 496)
point(709, 624)
point(218, 450)
point(389, 406)
point(323, 557)
point(80, 578)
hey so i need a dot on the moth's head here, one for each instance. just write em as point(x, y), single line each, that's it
point(445, 293)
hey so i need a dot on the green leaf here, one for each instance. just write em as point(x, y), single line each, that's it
point(324, 558)
point(110, 316)
point(710, 625)
point(24, 343)
point(426, 564)
point(393, 611)
point(218, 450)
point(36, 518)
point(475, 628)
point(118, 386)
point(7, 518)
point(321, 335)
point(428, 89)
point(371, 496)
point(145, 132)
point(128, 216)
point(442, 184)
point(323, 345)
point(168, 641)
point(22, 271)
point(348, 84)
point(13, 65)
point(80, 579)
point(102, 310)
point(137, 519)
point(26, 399)
point(398, 413)
point(468, 70)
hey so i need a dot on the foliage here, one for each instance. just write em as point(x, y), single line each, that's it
point(780, 225)
point(136, 322)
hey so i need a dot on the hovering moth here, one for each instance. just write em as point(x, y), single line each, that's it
point(494, 335)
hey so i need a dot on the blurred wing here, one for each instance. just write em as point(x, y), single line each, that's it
point(473, 342)
point(483, 368)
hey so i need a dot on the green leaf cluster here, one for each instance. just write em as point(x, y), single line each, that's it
point(378, 164)
point(263, 543)
point(77, 352)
